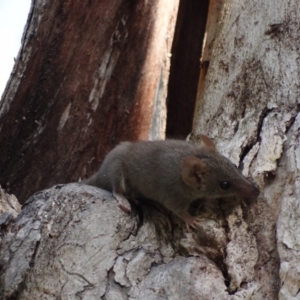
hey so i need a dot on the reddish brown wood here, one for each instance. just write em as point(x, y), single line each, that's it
point(185, 66)
point(88, 81)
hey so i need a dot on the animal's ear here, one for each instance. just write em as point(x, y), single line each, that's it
point(208, 142)
point(192, 171)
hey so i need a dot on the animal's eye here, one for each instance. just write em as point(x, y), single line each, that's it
point(224, 185)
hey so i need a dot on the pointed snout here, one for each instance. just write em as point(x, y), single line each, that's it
point(250, 189)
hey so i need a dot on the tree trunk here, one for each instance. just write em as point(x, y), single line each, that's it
point(250, 105)
point(89, 74)
point(78, 244)
point(72, 241)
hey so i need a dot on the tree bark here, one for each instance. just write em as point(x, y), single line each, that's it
point(250, 105)
point(88, 75)
point(72, 241)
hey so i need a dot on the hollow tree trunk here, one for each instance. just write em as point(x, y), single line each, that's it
point(185, 66)
point(71, 241)
point(89, 74)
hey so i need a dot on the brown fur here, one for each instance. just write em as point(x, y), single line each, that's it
point(173, 173)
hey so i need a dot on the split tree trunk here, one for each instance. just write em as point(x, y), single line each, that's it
point(89, 75)
point(73, 242)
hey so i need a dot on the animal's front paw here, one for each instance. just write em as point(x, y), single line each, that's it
point(191, 221)
point(122, 202)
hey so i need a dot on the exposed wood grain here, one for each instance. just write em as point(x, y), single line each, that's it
point(89, 74)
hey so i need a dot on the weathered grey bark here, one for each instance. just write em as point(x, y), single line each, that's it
point(73, 241)
point(9, 207)
point(250, 105)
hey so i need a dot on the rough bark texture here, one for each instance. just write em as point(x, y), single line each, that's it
point(9, 208)
point(250, 105)
point(74, 242)
point(89, 74)
point(212, 31)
